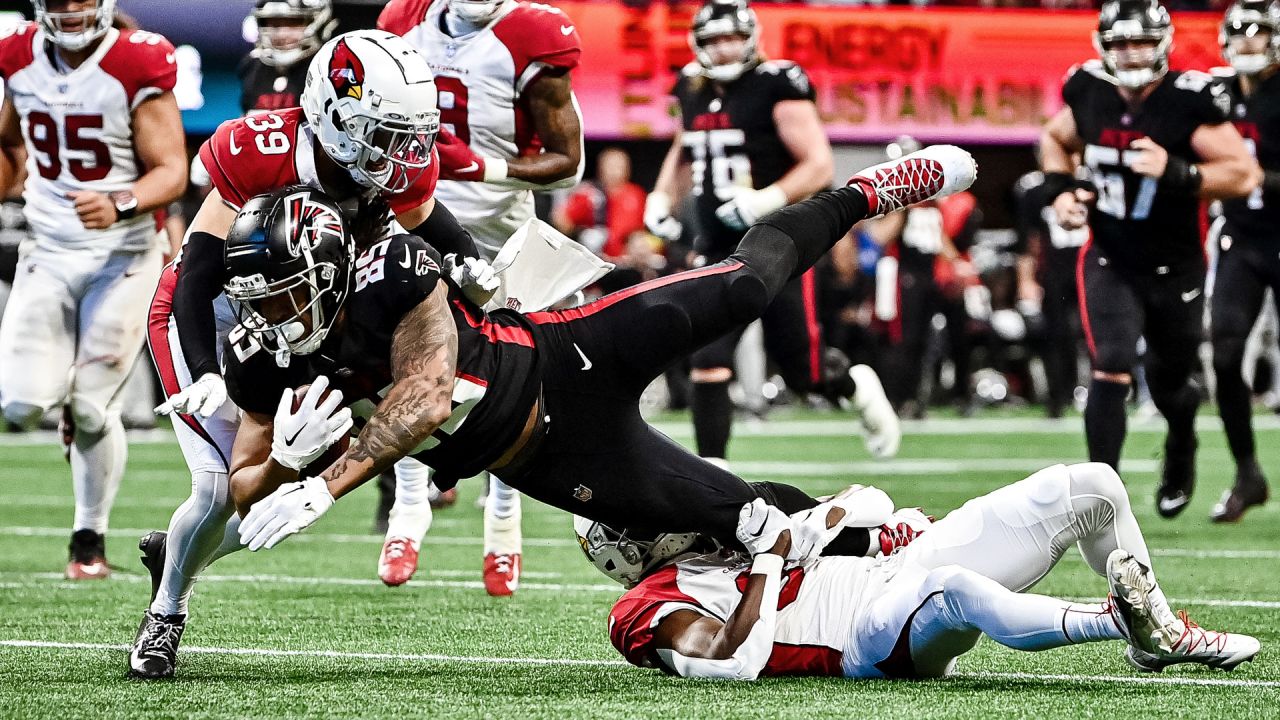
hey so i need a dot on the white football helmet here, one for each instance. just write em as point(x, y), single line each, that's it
point(626, 560)
point(476, 12)
point(93, 24)
point(371, 101)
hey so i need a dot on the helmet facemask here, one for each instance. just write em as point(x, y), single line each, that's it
point(301, 308)
point(91, 24)
point(716, 20)
point(308, 24)
point(390, 153)
point(628, 560)
point(1248, 37)
point(476, 12)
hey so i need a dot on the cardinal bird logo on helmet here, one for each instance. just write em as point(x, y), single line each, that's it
point(346, 72)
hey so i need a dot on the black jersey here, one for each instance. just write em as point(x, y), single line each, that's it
point(1136, 223)
point(1257, 117)
point(263, 87)
point(496, 379)
point(730, 138)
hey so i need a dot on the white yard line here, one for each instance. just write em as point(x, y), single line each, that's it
point(431, 657)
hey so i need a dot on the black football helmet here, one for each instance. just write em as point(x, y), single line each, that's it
point(1122, 20)
point(725, 17)
point(292, 244)
point(315, 17)
point(1246, 19)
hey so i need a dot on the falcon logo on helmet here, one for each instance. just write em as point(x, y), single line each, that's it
point(312, 222)
point(346, 72)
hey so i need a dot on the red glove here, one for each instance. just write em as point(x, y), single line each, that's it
point(457, 160)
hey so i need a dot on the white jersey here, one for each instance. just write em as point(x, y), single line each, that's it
point(481, 79)
point(78, 128)
point(817, 608)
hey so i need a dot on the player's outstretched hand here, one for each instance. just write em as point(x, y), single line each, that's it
point(202, 397)
point(761, 527)
point(292, 508)
point(474, 276)
point(302, 435)
point(750, 205)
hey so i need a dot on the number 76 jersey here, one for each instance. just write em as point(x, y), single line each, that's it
point(78, 128)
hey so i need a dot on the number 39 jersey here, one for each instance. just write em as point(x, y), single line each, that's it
point(482, 79)
point(731, 140)
point(1135, 223)
point(78, 128)
point(262, 153)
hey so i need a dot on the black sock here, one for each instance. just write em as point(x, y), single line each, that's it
point(1179, 410)
point(712, 418)
point(1236, 409)
point(1105, 422)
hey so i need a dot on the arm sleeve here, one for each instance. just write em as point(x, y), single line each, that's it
point(442, 231)
point(200, 279)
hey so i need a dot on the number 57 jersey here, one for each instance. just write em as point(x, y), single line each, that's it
point(78, 128)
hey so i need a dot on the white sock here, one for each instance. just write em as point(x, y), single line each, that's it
point(411, 514)
point(196, 533)
point(97, 465)
point(502, 519)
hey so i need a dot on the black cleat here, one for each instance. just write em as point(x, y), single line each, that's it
point(154, 654)
point(153, 546)
point(1250, 489)
point(1177, 480)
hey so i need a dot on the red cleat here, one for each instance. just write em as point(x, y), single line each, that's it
point(88, 557)
point(445, 499)
point(398, 562)
point(501, 573)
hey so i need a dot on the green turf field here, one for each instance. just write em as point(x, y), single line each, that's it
point(307, 628)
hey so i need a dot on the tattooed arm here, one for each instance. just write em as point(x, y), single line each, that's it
point(424, 355)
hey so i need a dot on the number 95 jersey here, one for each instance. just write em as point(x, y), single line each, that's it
point(78, 128)
point(1136, 223)
point(731, 140)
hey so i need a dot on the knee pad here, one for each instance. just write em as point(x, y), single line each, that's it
point(748, 294)
point(24, 415)
point(956, 585)
point(89, 417)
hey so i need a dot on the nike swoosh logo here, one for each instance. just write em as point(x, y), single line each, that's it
point(289, 441)
point(470, 168)
point(231, 140)
point(566, 29)
point(586, 364)
point(1167, 504)
point(406, 262)
point(1190, 295)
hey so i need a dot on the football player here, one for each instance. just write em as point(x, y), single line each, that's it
point(364, 134)
point(289, 32)
point(1249, 241)
point(909, 615)
point(547, 400)
point(751, 133)
point(105, 151)
point(1154, 142)
point(510, 125)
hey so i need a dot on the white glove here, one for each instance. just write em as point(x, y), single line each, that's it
point(300, 437)
point(759, 525)
point(292, 508)
point(749, 205)
point(658, 219)
point(863, 507)
point(474, 276)
point(202, 397)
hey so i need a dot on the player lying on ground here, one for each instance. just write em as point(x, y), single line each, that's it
point(548, 400)
point(912, 614)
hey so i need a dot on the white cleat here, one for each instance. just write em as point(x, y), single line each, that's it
point(883, 432)
point(1194, 644)
point(928, 174)
point(1137, 606)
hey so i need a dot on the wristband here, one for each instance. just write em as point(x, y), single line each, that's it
point(495, 169)
point(1181, 175)
point(766, 564)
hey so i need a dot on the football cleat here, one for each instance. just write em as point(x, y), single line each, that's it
point(501, 573)
point(1136, 604)
point(1250, 489)
point(1194, 644)
point(87, 556)
point(904, 527)
point(1177, 480)
point(929, 174)
point(154, 547)
point(398, 561)
point(442, 500)
point(883, 432)
point(154, 654)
